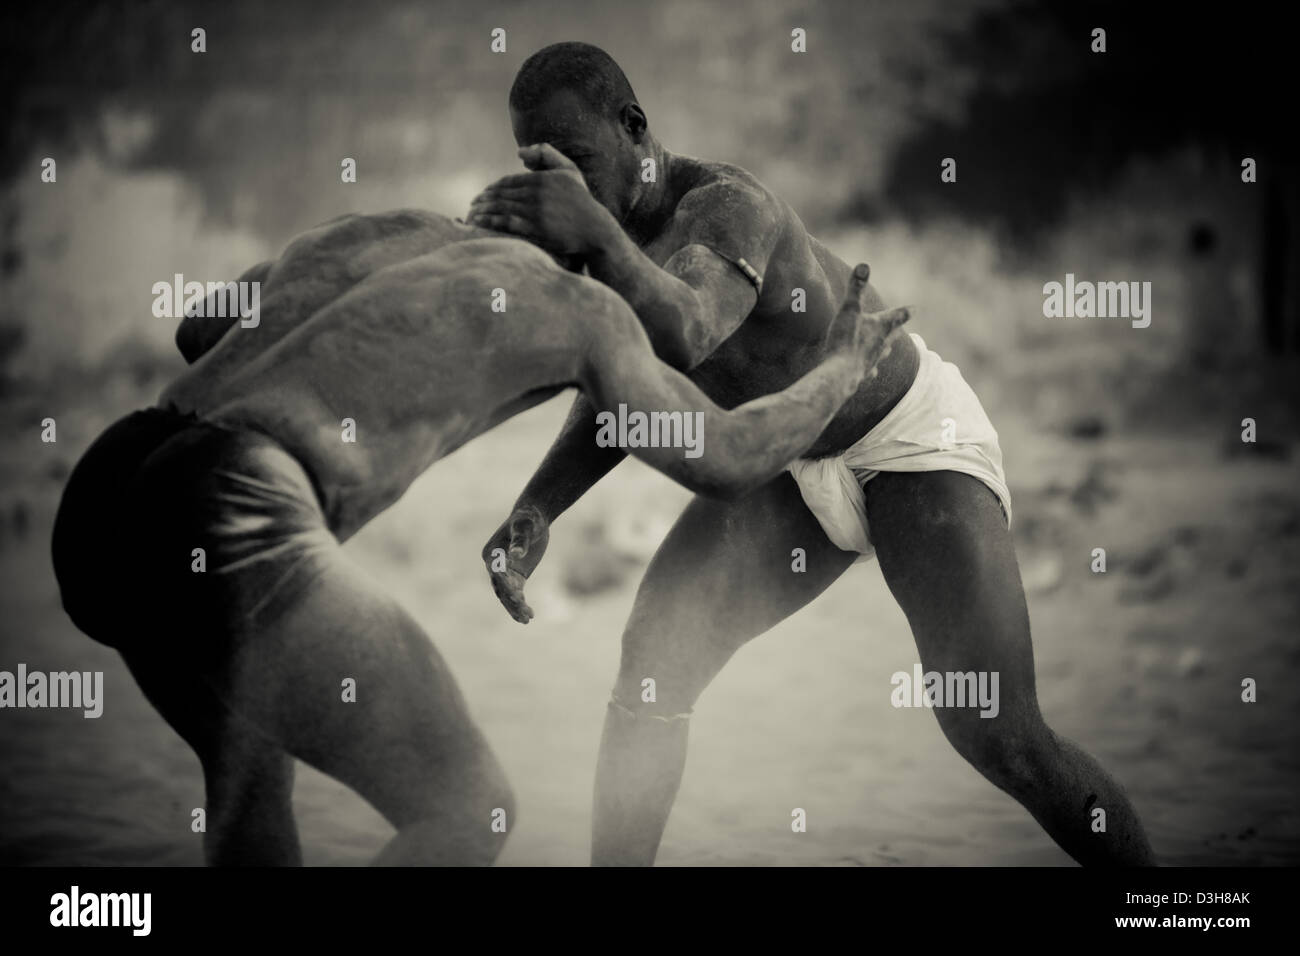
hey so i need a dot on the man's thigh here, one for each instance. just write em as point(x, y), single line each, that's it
point(726, 572)
point(304, 654)
point(347, 681)
point(948, 558)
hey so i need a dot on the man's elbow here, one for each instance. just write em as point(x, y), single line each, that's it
point(675, 349)
point(684, 344)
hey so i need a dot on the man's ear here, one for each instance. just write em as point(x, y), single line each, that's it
point(634, 121)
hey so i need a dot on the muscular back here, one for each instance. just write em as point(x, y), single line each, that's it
point(387, 320)
point(315, 269)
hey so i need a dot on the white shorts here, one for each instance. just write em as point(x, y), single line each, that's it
point(938, 425)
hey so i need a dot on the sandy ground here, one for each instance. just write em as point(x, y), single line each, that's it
point(1141, 665)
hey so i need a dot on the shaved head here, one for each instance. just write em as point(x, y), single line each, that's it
point(586, 70)
point(574, 97)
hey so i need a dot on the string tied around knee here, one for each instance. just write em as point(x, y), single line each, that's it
point(621, 708)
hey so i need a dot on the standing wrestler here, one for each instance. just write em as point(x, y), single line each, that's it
point(710, 260)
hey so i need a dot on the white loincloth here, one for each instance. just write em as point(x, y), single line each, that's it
point(912, 437)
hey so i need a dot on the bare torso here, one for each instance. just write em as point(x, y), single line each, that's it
point(388, 321)
point(775, 345)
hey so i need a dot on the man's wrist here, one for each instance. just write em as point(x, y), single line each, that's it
point(605, 243)
point(534, 508)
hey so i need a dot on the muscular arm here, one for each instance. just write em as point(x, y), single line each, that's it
point(687, 309)
point(198, 333)
point(700, 296)
point(574, 463)
point(747, 446)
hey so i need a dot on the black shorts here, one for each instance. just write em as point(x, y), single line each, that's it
point(180, 532)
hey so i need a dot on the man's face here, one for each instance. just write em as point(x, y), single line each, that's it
point(598, 145)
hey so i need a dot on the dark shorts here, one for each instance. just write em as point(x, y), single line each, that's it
point(154, 488)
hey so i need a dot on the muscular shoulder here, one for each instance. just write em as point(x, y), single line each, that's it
point(726, 201)
point(726, 212)
point(355, 245)
point(351, 228)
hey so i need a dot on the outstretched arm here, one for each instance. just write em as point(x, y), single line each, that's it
point(733, 452)
point(574, 463)
point(729, 453)
point(687, 308)
point(705, 299)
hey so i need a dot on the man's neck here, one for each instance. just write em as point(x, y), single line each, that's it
point(656, 204)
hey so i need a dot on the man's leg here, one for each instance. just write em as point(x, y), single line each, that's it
point(722, 576)
point(406, 743)
point(948, 559)
point(248, 778)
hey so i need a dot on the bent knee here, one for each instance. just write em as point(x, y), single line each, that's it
point(1013, 755)
point(499, 792)
point(668, 657)
point(467, 788)
point(482, 791)
point(665, 678)
point(490, 809)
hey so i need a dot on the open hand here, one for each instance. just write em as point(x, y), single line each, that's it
point(863, 335)
point(549, 206)
point(512, 553)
